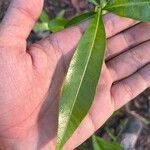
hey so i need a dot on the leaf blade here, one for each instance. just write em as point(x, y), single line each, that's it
point(135, 9)
point(41, 27)
point(101, 144)
point(82, 78)
point(44, 17)
point(57, 25)
point(79, 19)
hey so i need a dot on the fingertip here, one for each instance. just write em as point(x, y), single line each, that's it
point(21, 17)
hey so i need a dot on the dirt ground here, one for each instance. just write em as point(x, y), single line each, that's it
point(139, 108)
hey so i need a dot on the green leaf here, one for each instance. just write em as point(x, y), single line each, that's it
point(104, 3)
point(44, 17)
point(135, 9)
point(56, 25)
point(41, 27)
point(61, 14)
point(81, 80)
point(101, 144)
point(80, 18)
point(110, 132)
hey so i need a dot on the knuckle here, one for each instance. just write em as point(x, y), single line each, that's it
point(39, 57)
point(110, 27)
point(112, 67)
point(109, 51)
point(140, 74)
point(54, 44)
point(129, 38)
point(127, 88)
point(93, 123)
point(136, 57)
point(144, 74)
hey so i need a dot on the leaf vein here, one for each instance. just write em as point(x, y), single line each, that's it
point(80, 84)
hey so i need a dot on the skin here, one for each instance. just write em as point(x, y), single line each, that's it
point(31, 76)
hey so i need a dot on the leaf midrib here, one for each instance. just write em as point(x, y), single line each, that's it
point(127, 4)
point(92, 45)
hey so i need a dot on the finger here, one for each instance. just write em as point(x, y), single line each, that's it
point(129, 62)
point(128, 38)
point(115, 24)
point(20, 18)
point(127, 89)
point(72, 35)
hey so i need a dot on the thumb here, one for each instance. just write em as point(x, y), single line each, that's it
point(20, 18)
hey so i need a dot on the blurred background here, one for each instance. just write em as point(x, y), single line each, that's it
point(129, 127)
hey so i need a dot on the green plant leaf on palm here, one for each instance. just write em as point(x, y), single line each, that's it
point(85, 67)
point(81, 80)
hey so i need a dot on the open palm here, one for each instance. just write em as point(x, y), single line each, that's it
point(31, 76)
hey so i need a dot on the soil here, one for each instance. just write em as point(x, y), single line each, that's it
point(140, 105)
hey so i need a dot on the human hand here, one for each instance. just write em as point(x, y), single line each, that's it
point(31, 76)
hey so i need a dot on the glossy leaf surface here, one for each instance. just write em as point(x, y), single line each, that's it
point(135, 9)
point(79, 19)
point(101, 144)
point(81, 80)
